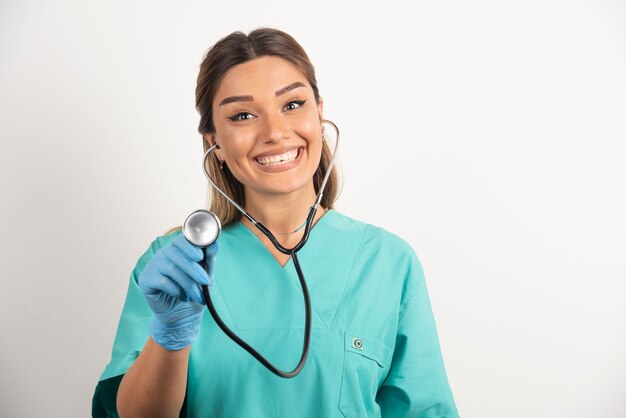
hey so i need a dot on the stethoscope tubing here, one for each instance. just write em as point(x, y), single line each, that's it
point(252, 351)
point(288, 251)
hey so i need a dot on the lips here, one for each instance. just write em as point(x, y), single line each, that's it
point(279, 160)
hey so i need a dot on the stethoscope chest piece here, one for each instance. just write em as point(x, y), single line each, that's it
point(202, 228)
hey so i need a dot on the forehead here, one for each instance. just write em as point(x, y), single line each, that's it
point(262, 75)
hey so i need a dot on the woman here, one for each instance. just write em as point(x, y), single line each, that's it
point(374, 349)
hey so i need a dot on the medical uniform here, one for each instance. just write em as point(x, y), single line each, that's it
point(374, 348)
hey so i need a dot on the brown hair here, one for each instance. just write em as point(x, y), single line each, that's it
point(238, 48)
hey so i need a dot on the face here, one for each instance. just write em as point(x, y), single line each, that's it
point(267, 126)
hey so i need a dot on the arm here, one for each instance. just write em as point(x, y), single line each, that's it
point(155, 384)
point(416, 385)
point(163, 305)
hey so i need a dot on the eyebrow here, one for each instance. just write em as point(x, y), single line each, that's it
point(236, 99)
point(290, 87)
point(279, 92)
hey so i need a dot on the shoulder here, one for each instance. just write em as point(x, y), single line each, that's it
point(385, 257)
point(161, 241)
point(374, 238)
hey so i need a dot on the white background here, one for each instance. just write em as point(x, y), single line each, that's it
point(489, 134)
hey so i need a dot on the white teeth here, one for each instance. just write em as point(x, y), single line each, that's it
point(279, 159)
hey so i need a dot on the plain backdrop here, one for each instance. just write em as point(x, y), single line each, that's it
point(490, 135)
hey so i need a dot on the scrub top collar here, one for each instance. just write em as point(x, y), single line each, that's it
point(317, 231)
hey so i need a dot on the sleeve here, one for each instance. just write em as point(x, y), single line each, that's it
point(132, 333)
point(416, 385)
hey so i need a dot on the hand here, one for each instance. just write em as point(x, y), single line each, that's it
point(171, 284)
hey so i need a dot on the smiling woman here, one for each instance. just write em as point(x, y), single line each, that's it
point(374, 349)
point(238, 53)
point(269, 138)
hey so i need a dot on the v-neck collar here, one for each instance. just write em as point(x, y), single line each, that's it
point(247, 282)
point(316, 230)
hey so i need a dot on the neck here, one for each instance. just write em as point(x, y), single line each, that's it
point(281, 213)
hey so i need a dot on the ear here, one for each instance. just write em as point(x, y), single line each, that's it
point(210, 138)
point(320, 109)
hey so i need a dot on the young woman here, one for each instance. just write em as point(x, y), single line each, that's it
point(373, 348)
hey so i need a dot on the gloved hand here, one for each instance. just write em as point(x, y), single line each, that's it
point(171, 282)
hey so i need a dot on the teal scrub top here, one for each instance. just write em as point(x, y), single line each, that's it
point(374, 349)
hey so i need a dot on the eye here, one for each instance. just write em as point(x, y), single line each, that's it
point(294, 104)
point(241, 116)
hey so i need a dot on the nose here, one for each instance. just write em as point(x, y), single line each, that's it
point(275, 129)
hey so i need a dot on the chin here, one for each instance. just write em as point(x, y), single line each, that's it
point(288, 187)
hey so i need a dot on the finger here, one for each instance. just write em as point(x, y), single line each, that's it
point(210, 255)
point(190, 267)
point(190, 289)
point(153, 282)
point(191, 251)
point(211, 250)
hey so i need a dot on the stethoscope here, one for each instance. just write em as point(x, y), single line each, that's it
point(203, 227)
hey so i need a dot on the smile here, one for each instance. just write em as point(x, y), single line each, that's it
point(279, 159)
point(280, 162)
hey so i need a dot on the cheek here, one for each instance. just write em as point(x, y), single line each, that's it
point(235, 143)
point(312, 131)
point(316, 140)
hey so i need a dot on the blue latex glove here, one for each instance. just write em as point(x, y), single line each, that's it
point(171, 283)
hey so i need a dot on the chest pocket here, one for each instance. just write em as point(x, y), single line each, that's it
point(366, 361)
